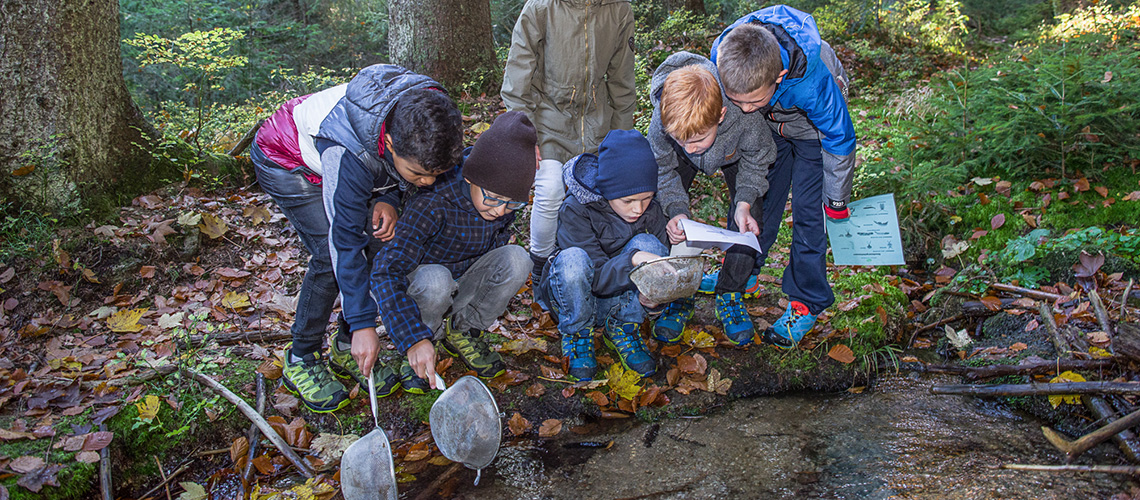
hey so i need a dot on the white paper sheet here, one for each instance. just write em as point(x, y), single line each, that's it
point(870, 237)
point(706, 236)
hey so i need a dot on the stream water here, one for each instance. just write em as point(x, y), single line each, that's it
point(895, 440)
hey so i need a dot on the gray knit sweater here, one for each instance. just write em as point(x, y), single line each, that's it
point(740, 137)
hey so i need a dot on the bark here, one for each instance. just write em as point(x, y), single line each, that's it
point(449, 40)
point(70, 126)
point(1037, 389)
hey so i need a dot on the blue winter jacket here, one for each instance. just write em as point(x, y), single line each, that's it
point(810, 103)
point(356, 172)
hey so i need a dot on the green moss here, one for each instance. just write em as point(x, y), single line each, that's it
point(76, 479)
point(870, 334)
point(419, 405)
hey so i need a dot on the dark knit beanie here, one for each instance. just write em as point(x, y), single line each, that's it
point(625, 165)
point(502, 160)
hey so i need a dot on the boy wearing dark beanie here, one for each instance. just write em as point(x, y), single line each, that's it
point(608, 224)
point(449, 272)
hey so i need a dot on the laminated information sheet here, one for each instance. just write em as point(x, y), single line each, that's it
point(870, 237)
point(706, 236)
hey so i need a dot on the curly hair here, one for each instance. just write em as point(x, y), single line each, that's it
point(426, 127)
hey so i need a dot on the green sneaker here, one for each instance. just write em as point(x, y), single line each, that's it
point(410, 381)
point(473, 351)
point(344, 366)
point(311, 379)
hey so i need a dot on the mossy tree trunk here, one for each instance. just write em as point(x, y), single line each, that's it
point(449, 40)
point(69, 126)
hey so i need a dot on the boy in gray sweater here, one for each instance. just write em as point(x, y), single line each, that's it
point(693, 130)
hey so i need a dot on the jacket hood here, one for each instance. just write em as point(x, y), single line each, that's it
point(796, 33)
point(580, 175)
point(373, 93)
point(672, 63)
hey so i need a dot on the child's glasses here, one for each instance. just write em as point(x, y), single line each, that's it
point(491, 201)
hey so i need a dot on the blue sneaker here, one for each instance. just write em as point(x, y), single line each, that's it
point(708, 284)
point(787, 332)
point(625, 338)
point(579, 348)
point(671, 324)
point(735, 319)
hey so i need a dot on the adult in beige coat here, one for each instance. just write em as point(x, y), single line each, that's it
point(570, 69)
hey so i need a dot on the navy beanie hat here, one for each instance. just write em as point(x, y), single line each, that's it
point(625, 165)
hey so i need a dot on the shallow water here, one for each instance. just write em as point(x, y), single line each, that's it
point(893, 441)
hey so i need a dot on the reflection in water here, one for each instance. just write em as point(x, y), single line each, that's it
point(896, 441)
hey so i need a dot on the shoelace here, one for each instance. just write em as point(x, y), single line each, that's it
point(675, 308)
point(582, 345)
point(626, 341)
point(472, 346)
point(733, 310)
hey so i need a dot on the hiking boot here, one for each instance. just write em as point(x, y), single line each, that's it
point(410, 381)
point(579, 348)
point(473, 351)
point(671, 324)
point(625, 338)
point(787, 331)
point(735, 319)
point(708, 284)
point(344, 366)
point(310, 379)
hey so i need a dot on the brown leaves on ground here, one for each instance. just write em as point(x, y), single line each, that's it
point(550, 428)
point(518, 425)
point(841, 353)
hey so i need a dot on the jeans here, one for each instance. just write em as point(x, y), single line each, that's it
point(477, 298)
point(302, 203)
point(739, 260)
point(799, 169)
point(548, 194)
point(568, 284)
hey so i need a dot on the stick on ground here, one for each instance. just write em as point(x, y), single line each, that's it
point(1073, 449)
point(1037, 389)
point(1107, 469)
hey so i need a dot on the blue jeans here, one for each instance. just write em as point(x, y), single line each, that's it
point(303, 204)
point(568, 284)
point(799, 169)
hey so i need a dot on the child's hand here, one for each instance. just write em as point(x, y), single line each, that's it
point(383, 221)
point(365, 348)
point(641, 257)
point(422, 358)
point(645, 302)
point(744, 220)
point(674, 229)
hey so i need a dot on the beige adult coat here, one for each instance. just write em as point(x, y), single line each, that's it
point(570, 69)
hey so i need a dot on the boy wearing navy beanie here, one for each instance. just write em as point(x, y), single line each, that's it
point(608, 224)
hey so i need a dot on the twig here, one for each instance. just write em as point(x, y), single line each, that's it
point(1038, 389)
point(932, 326)
point(1034, 294)
point(429, 492)
point(1126, 439)
point(560, 381)
point(251, 436)
point(163, 474)
point(252, 415)
point(105, 469)
point(678, 489)
point(246, 139)
point(1073, 449)
point(1107, 469)
point(1102, 315)
point(172, 475)
point(1124, 301)
point(1043, 366)
point(1059, 343)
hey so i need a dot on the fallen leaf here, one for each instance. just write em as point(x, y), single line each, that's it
point(717, 384)
point(992, 303)
point(1081, 185)
point(239, 448)
point(187, 219)
point(87, 457)
point(98, 440)
point(213, 226)
point(997, 221)
point(697, 338)
point(35, 480)
point(194, 491)
point(1003, 187)
point(598, 398)
point(535, 390)
point(1018, 347)
point(258, 213)
point(518, 347)
point(842, 354)
point(550, 428)
point(235, 301)
point(1097, 337)
point(24, 170)
point(625, 383)
point(147, 272)
point(479, 127)
point(169, 321)
point(1057, 399)
point(148, 408)
point(518, 425)
point(1107, 77)
point(126, 321)
point(7, 435)
point(26, 464)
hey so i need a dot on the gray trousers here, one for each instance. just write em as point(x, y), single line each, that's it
point(477, 298)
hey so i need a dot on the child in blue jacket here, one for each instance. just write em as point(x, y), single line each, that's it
point(608, 224)
point(773, 61)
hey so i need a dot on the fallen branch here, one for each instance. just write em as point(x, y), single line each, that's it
point(1107, 469)
point(251, 437)
point(105, 470)
point(1059, 343)
point(252, 337)
point(254, 417)
point(429, 492)
point(1102, 315)
point(170, 476)
point(1125, 440)
point(1054, 297)
point(1073, 449)
point(246, 139)
point(936, 324)
point(147, 375)
point(1042, 366)
point(1038, 389)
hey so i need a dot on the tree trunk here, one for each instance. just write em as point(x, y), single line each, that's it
point(449, 40)
point(695, 6)
point(69, 128)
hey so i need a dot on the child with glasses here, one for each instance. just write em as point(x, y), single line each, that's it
point(608, 224)
point(448, 273)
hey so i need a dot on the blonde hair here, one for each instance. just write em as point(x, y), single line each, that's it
point(691, 103)
point(748, 59)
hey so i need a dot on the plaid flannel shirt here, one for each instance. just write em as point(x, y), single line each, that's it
point(438, 226)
